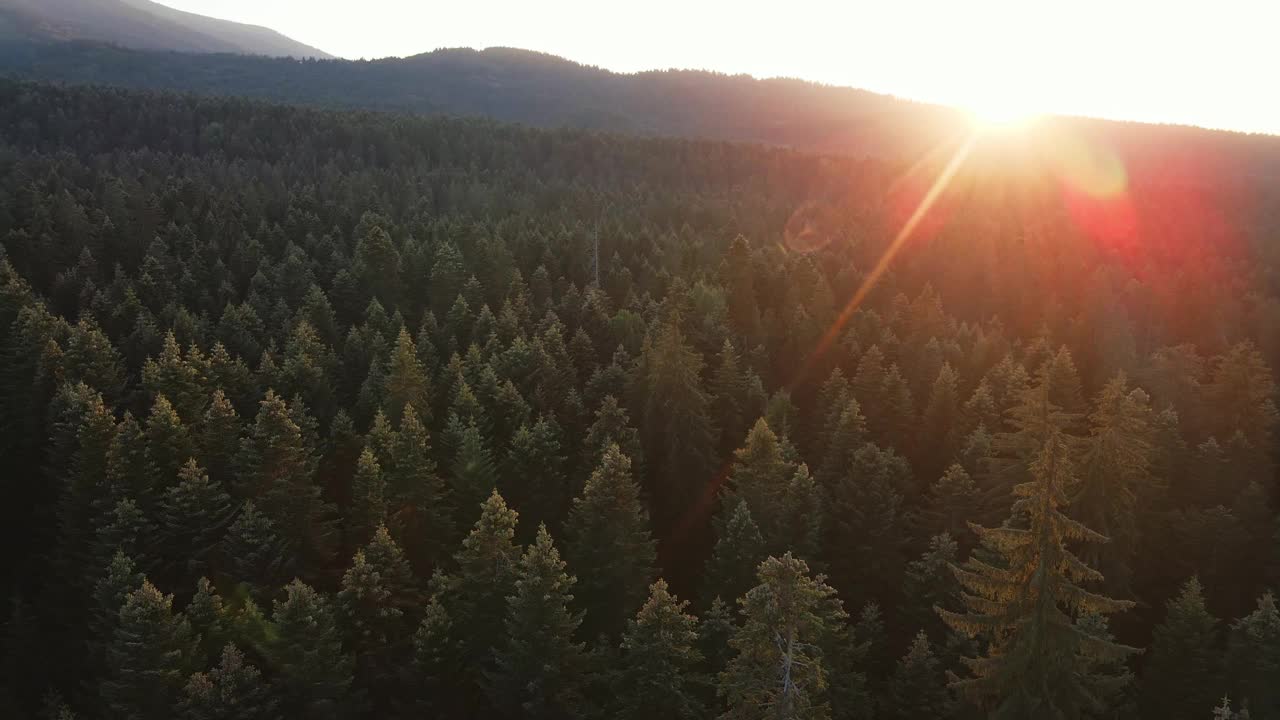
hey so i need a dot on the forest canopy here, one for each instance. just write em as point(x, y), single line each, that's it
point(341, 414)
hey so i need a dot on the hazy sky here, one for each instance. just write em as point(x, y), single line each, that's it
point(1207, 62)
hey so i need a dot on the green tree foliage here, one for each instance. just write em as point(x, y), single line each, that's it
point(315, 673)
point(1038, 661)
point(540, 671)
point(151, 653)
point(918, 689)
point(675, 425)
point(406, 382)
point(1253, 658)
point(194, 516)
point(1114, 469)
point(610, 546)
point(778, 668)
point(368, 497)
point(660, 660)
point(1182, 673)
point(234, 689)
point(475, 596)
point(738, 550)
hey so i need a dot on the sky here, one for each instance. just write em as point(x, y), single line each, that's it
point(1200, 62)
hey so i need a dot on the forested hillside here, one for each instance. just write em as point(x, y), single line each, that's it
point(139, 24)
point(546, 91)
point(329, 414)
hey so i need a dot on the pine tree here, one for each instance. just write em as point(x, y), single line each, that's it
point(194, 515)
point(738, 551)
point(675, 424)
point(940, 424)
point(660, 661)
point(419, 506)
point(610, 546)
point(539, 671)
point(210, 620)
point(374, 590)
point(779, 667)
point(952, 503)
point(473, 476)
point(234, 690)
point(1038, 662)
point(844, 438)
point(169, 444)
point(612, 427)
point(918, 689)
point(254, 553)
point(475, 596)
point(1253, 658)
point(149, 658)
point(109, 595)
point(277, 467)
point(368, 498)
point(1182, 673)
point(1115, 467)
point(533, 474)
point(865, 527)
point(930, 584)
point(407, 382)
point(315, 674)
point(761, 476)
point(219, 439)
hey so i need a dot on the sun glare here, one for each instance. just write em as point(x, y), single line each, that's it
point(999, 114)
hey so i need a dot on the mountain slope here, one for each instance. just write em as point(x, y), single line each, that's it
point(547, 91)
point(145, 25)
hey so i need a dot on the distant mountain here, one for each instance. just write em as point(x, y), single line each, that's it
point(142, 24)
point(546, 91)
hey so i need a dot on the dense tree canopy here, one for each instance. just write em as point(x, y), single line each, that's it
point(328, 414)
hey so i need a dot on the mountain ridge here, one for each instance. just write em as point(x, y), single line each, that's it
point(145, 25)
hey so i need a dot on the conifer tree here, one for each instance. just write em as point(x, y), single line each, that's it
point(1182, 672)
point(1253, 658)
point(675, 422)
point(374, 590)
point(210, 620)
point(254, 552)
point(760, 476)
point(109, 594)
point(315, 674)
point(533, 474)
point(368, 498)
point(610, 546)
point(219, 439)
point(864, 526)
point(151, 653)
point(1039, 661)
point(407, 382)
point(419, 506)
point(660, 661)
point(844, 438)
point(738, 551)
point(952, 503)
point(1113, 470)
point(277, 467)
point(779, 669)
point(475, 596)
point(169, 444)
point(473, 476)
point(918, 689)
point(612, 426)
point(194, 515)
point(930, 584)
point(234, 690)
point(540, 671)
point(940, 424)
point(715, 628)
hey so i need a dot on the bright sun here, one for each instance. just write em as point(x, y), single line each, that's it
point(999, 112)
